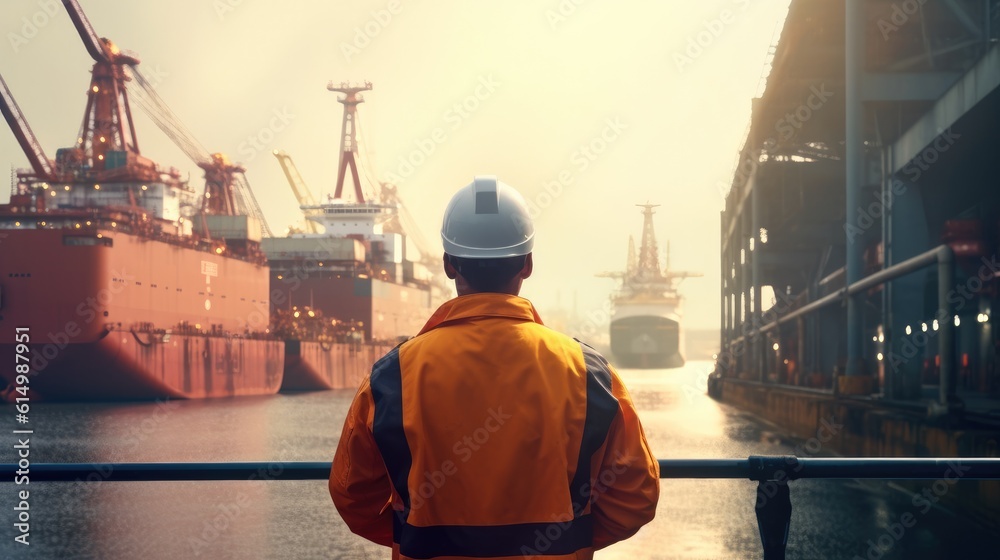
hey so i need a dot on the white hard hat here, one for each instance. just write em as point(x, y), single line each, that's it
point(487, 219)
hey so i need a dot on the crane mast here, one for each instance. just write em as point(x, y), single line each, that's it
point(348, 134)
point(108, 127)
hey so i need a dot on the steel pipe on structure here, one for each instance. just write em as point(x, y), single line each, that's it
point(723, 287)
point(800, 355)
point(753, 247)
point(941, 255)
point(734, 301)
point(746, 286)
point(946, 336)
point(854, 35)
point(911, 264)
point(944, 257)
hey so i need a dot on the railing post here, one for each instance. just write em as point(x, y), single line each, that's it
point(773, 506)
point(947, 401)
point(774, 517)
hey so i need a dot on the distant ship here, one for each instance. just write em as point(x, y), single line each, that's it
point(646, 329)
point(344, 289)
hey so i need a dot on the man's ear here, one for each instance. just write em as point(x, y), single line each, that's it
point(449, 270)
point(527, 268)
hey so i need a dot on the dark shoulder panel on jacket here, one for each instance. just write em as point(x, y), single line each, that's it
point(387, 427)
point(602, 408)
point(597, 366)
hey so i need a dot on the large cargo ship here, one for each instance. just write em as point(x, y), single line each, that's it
point(345, 289)
point(128, 286)
point(646, 313)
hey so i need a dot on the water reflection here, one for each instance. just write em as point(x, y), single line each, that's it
point(295, 519)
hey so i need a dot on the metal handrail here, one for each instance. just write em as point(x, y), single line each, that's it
point(772, 502)
point(938, 255)
point(756, 467)
point(943, 257)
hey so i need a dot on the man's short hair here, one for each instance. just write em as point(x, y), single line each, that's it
point(488, 275)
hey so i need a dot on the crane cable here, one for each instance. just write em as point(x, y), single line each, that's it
point(374, 190)
point(408, 223)
point(247, 198)
point(166, 119)
point(161, 114)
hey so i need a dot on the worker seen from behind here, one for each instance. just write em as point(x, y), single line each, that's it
point(488, 434)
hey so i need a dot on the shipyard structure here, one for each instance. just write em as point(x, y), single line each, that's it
point(861, 232)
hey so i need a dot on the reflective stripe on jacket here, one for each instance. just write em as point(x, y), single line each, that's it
point(491, 435)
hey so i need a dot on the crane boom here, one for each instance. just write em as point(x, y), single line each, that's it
point(219, 173)
point(299, 188)
point(25, 137)
point(107, 122)
point(115, 75)
point(90, 39)
point(349, 137)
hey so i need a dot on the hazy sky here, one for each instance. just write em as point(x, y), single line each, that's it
point(626, 102)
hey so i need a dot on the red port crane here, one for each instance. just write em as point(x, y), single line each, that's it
point(107, 141)
point(108, 125)
point(106, 147)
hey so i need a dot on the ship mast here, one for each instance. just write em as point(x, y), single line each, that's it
point(348, 135)
point(649, 260)
point(642, 271)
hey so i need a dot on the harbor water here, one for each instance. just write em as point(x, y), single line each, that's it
point(266, 518)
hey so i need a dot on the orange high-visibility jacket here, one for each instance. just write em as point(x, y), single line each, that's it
point(491, 435)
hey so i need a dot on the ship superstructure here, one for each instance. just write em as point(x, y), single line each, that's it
point(349, 265)
point(647, 308)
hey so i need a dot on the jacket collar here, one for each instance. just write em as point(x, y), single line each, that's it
point(482, 305)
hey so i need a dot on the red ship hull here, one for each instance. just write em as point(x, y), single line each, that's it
point(384, 313)
point(318, 366)
point(115, 315)
point(129, 366)
point(384, 310)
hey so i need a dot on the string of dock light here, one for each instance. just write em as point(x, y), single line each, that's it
point(980, 318)
point(934, 326)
